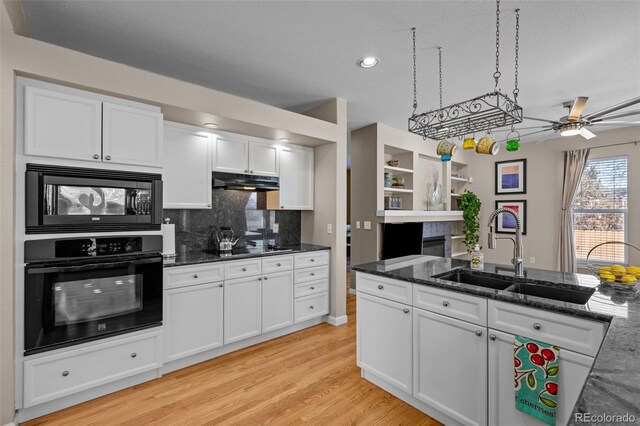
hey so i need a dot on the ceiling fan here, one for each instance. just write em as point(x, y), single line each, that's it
point(574, 123)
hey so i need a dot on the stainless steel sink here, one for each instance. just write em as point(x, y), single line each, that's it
point(465, 277)
point(561, 294)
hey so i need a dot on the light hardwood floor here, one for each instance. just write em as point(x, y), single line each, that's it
point(305, 377)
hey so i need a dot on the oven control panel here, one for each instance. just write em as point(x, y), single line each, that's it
point(87, 247)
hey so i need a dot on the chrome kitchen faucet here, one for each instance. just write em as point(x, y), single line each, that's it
point(517, 243)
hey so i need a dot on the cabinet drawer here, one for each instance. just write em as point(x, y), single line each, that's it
point(315, 258)
point(568, 332)
point(312, 287)
point(242, 268)
point(277, 264)
point(399, 291)
point(182, 276)
point(450, 303)
point(311, 306)
point(311, 274)
point(65, 373)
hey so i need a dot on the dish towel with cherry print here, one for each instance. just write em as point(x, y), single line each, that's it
point(536, 378)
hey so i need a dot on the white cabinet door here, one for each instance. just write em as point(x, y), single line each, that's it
point(242, 309)
point(131, 136)
point(384, 339)
point(296, 179)
point(450, 366)
point(193, 320)
point(573, 371)
point(277, 300)
point(186, 175)
point(231, 155)
point(263, 159)
point(62, 125)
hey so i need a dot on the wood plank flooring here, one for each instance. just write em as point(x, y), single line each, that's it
point(305, 377)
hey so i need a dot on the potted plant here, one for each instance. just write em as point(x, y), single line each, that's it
point(470, 204)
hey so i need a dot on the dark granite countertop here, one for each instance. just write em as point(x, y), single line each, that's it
point(613, 386)
point(196, 257)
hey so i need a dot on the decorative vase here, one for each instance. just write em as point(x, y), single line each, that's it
point(434, 196)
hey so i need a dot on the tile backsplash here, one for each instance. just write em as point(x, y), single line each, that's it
point(238, 210)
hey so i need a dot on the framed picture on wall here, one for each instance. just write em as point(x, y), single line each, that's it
point(511, 177)
point(506, 223)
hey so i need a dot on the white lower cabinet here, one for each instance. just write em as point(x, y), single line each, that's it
point(573, 371)
point(64, 373)
point(193, 320)
point(242, 309)
point(277, 301)
point(384, 340)
point(450, 366)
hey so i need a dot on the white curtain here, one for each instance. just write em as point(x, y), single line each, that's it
point(574, 165)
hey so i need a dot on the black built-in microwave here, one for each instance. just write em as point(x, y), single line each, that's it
point(69, 199)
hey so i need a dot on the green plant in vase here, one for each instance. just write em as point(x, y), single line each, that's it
point(470, 205)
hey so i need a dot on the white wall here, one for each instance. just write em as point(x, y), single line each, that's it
point(544, 191)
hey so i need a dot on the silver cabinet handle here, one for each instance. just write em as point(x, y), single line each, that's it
point(195, 275)
point(108, 157)
point(209, 205)
point(259, 278)
point(478, 333)
point(282, 207)
point(246, 170)
point(96, 156)
point(278, 264)
point(312, 260)
point(250, 171)
point(406, 311)
point(445, 303)
point(244, 269)
point(65, 373)
point(380, 287)
point(536, 326)
point(133, 355)
point(492, 337)
point(221, 285)
point(313, 274)
point(266, 278)
point(311, 307)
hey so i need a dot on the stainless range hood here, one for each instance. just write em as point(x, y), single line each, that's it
point(245, 182)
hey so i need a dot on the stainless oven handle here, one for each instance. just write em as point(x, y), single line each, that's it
point(91, 266)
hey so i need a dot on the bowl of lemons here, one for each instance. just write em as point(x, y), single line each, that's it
point(619, 276)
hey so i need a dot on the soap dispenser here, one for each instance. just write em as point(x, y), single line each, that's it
point(477, 259)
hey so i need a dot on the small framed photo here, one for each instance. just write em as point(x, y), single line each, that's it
point(506, 223)
point(511, 177)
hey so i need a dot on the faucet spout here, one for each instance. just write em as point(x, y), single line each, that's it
point(517, 260)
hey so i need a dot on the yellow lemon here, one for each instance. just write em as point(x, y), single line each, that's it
point(633, 270)
point(618, 270)
point(628, 279)
point(607, 276)
point(605, 269)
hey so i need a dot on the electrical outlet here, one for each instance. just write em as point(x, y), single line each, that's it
point(367, 224)
point(275, 228)
point(532, 260)
point(329, 228)
point(357, 224)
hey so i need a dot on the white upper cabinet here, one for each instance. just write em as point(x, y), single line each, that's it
point(62, 122)
point(62, 125)
point(263, 159)
point(296, 180)
point(186, 174)
point(231, 155)
point(131, 136)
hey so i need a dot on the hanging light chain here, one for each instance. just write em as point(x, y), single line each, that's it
point(496, 75)
point(440, 69)
point(516, 90)
point(415, 92)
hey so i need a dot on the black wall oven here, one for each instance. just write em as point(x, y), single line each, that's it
point(70, 199)
point(81, 289)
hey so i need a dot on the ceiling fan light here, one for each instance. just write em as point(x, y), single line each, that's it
point(570, 129)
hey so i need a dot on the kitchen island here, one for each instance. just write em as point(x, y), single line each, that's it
point(611, 383)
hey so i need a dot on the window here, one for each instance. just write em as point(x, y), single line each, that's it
point(600, 210)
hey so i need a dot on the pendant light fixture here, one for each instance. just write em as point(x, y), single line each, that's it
point(479, 114)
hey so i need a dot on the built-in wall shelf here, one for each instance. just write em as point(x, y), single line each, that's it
point(453, 194)
point(459, 179)
point(398, 170)
point(399, 216)
point(391, 189)
point(457, 237)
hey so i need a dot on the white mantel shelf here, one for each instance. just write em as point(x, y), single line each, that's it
point(396, 216)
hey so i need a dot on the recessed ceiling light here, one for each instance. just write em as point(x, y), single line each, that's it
point(368, 62)
point(211, 125)
point(284, 140)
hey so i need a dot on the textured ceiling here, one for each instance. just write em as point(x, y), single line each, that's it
point(293, 54)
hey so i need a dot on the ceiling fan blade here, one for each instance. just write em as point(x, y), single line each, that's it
point(534, 133)
point(577, 107)
point(546, 137)
point(624, 114)
point(540, 119)
point(612, 108)
point(604, 123)
point(535, 127)
point(585, 133)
